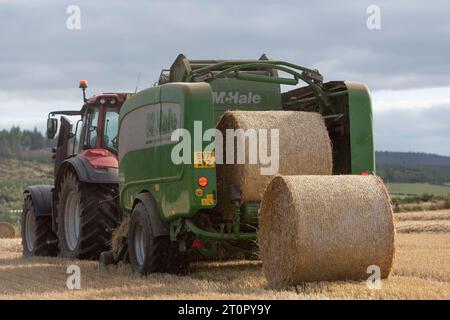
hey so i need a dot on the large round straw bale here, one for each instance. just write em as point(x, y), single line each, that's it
point(304, 149)
point(319, 228)
point(7, 230)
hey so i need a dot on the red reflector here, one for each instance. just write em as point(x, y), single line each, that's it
point(202, 182)
point(197, 244)
point(364, 173)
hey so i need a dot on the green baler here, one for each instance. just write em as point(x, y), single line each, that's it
point(172, 206)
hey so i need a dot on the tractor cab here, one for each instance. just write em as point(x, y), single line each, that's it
point(94, 135)
point(100, 118)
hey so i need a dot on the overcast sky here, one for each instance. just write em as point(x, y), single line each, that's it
point(406, 63)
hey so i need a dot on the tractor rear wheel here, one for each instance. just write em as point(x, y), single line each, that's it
point(38, 238)
point(151, 254)
point(87, 214)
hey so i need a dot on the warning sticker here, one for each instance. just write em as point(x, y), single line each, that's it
point(208, 201)
point(206, 159)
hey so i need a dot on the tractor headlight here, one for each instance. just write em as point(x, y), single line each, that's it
point(112, 101)
point(102, 101)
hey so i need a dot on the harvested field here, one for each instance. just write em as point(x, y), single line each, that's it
point(423, 226)
point(421, 271)
point(423, 221)
point(423, 215)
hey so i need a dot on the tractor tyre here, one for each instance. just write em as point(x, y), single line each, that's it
point(151, 254)
point(38, 238)
point(87, 215)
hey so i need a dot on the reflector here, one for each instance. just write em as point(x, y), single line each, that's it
point(202, 181)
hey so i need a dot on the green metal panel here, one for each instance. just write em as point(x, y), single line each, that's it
point(146, 163)
point(179, 198)
point(133, 166)
point(361, 128)
point(234, 94)
point(144, 97)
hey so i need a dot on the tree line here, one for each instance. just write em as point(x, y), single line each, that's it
point(14, 141)
point(434, 174)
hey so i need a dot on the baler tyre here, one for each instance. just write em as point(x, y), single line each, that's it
point(87, 214)
point(38, 238)
point(148, 253)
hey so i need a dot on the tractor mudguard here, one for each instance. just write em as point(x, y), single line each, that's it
point(87, 173)
point(159, 227)
point(41, 196)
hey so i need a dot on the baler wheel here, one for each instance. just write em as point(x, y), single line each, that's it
point(151, 254)
point(38, 238)
point(87, 214)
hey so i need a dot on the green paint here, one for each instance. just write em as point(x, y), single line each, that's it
point(233, 94)
point(146, 166)
point(361, 129)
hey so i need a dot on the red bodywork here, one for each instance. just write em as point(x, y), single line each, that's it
point(101, 158)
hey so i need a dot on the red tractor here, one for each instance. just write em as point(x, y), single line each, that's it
point(75, 217)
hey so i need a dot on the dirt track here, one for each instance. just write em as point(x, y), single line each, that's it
point(421, 271)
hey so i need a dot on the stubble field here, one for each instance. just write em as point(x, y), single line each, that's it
point(421, 271)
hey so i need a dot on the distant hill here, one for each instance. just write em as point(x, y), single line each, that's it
point(413, 167)
point(411, 158)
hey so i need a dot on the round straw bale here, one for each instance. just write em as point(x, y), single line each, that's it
point(324, 228)
point(7, 230)
point(304, 149)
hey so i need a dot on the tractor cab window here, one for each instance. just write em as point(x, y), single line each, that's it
point(91, 120)
point(110, 138)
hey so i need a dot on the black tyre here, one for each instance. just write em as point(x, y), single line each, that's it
point(150, 254)
point(87, 214)
point(106, 259)
point(38, 238)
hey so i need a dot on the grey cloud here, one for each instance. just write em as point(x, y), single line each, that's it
point(41, 61)
point(117, 40)
point(422, 130)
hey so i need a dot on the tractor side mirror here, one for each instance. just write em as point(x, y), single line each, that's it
point(52, 127)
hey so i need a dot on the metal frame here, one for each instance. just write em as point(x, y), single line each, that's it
point(310, 76)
